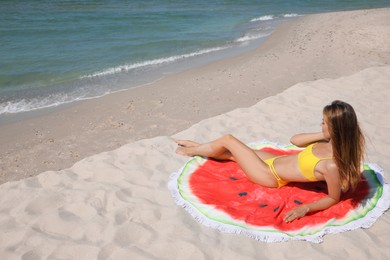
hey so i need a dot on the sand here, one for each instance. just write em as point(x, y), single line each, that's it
point(116, 204)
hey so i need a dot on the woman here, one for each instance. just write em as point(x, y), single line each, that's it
point(332, 155)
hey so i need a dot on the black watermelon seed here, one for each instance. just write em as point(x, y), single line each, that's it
point(233, 178)
point(244, 193)
point(263, 205)
point(276, 209)
point(297, 202)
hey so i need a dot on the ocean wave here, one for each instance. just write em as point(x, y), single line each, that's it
point(290, 15)
point(25, 105)
point(252, 37)
point(272, 17)
point(263, 18)
point(155, 62)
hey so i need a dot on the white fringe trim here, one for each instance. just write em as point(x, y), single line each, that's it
point(367, 221)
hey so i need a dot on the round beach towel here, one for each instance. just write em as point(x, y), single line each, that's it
point(218, 194)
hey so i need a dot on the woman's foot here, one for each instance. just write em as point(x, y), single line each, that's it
point(191, 148)
point(187, 143)
point(186, 147)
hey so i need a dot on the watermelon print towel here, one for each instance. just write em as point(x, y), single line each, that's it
point(220, 196)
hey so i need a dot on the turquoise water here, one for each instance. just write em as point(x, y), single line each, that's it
point(56, 52)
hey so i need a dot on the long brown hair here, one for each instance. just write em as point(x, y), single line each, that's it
point(347, 142)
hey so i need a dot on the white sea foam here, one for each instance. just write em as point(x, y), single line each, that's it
point(252, 37)
point(24, 105)
point(272, 17)
point(154, 62)
point(263, 18)
point(291, 15)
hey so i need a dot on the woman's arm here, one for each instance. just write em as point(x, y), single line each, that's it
point(334, 193)
point(305, 139)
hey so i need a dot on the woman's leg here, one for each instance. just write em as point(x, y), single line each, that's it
point(227, 155)
point(254, 168)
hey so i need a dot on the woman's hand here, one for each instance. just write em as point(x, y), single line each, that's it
point(331, 176)
point(297, 213)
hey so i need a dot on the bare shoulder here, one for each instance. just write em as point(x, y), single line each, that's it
point(331, 168)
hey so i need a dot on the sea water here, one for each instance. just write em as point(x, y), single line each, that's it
point(55, 52)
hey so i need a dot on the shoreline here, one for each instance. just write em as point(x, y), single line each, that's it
point(127, 76)
point(327, 45)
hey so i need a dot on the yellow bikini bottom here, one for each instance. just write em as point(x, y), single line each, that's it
point(270, 163)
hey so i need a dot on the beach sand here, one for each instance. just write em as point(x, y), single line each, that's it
point(116, 204)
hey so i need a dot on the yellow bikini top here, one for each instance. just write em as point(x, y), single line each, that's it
point(307, 161)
